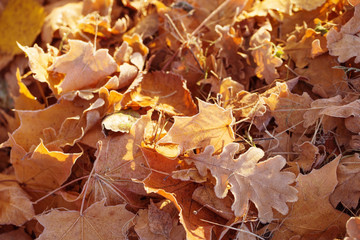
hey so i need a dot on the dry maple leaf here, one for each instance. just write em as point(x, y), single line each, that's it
point(162, 91)
point(262, 182)
point(180, 193)
point(313, 212)
point(96, 222)
point(119, 161)
point(62, 16)
point(16, 207)
point(211, 126)
point(348, 175)
point(41, 169)
point(33, 123)
point(83, 66)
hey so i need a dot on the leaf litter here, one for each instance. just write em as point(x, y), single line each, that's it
point(230, 119)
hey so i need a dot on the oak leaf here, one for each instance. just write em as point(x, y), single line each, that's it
point(313, 212)
point(344, 43)
point(263, 55)
point(348, 176)
point(211, 126)
point(261, 183)
point(16, 207)
point(83, 66)
point(97, 221)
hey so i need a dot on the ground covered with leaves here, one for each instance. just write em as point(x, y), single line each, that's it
point(198, 119)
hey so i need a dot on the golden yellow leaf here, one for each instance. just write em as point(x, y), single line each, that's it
point(21, 21)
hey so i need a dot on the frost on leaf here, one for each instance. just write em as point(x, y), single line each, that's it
point(96, 222)
point(262, 182)
point(83, 67)
point(211, 126)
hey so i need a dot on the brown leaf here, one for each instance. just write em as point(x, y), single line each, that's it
point(16, 207)
point(162, 91)
point(41, 169)
point(263, 55)
point(353, 228)
point(246, 178)
point(348, 175)
point(180, 193)
point(97, 221)
point(83, 66)
point(344, 43)
point(202, 130)
point(313, 212)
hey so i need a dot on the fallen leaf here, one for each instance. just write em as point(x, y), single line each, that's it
point(41, 169)
point(16, 207)
point(348, 175)
point(83, 66)
point(313, 212)
point(263, 55)
point(307, 4)
point(343, 44)
point(180, 193)
point(162, 91)
point(62, 16)
point(121, 121)
point(202, 130)
point(97, 221)
point(353, 228)
point(246, 178)
point(20, 21)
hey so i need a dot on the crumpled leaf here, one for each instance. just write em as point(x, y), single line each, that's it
point(348, 175)
point(247, 179)
point(121, 121)
point(211, 126)
point(335, 107)
point(97, 221)
point(303, 57)
point(83, 66)
point(344, 43)
point(263, 55)
point(62, 16)
point(16, 207)
point(149, 220)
